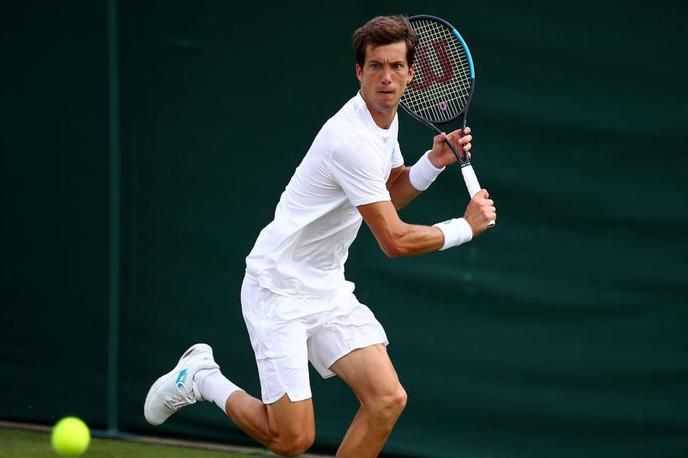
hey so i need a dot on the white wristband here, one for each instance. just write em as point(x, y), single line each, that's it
point(456, 231)
point(423, 173)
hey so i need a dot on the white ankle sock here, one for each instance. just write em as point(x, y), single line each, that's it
point(215, 387)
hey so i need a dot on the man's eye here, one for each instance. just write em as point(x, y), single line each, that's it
point(375, 66)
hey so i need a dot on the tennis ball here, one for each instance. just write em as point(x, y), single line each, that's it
point(70, 437)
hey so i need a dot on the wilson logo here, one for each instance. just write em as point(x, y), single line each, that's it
point(424, 67)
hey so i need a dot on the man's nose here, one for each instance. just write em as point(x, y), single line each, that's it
point(387, 75)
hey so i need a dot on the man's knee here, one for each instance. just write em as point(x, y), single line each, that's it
point(291, 426)
point(388, 407)
point(293, 444)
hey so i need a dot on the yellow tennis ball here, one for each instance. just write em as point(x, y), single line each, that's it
point(70, 437)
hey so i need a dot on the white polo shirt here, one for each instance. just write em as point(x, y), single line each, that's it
point(303, 250)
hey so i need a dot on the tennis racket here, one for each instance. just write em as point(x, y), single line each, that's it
point(442, 85)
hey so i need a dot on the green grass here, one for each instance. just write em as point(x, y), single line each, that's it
point(24, 444)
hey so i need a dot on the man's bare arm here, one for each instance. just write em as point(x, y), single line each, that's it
point(395, 237)
point(399, 186)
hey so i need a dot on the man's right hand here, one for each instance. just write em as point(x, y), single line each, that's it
point(480, 211)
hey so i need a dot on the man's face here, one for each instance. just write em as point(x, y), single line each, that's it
point(384, 76)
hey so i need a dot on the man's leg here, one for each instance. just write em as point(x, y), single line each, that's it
point(287, 428)
point(370, 374)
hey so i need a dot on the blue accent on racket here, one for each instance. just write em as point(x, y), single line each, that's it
point(468, 51)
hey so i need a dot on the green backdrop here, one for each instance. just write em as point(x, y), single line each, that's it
point(562, 332)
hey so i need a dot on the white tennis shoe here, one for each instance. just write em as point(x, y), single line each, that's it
point(177, 388)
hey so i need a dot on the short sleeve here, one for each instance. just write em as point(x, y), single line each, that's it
point(397, 158)
point(360, 171)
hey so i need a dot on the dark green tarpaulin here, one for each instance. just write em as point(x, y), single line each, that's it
point(562, 332)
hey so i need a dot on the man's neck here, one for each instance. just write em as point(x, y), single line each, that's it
point(382, 119)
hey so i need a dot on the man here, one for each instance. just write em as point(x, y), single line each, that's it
point(296, 303)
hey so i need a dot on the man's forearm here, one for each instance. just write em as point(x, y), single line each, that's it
point(401, 191)
point(414, 240)
point(408, 182)
point(397, 238)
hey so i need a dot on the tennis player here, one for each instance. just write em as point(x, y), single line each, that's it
point(296, 303)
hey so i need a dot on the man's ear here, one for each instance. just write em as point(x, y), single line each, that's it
point(412, 71)
point(359, 72)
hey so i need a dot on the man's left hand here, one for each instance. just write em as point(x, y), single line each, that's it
point(441, 155)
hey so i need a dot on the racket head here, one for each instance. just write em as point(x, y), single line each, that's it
point(444, 75)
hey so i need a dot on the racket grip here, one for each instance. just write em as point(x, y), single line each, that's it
point(472, 184)
point(471, 180)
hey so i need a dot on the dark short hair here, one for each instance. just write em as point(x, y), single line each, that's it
point(383, 30)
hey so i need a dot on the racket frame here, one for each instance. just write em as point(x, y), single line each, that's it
point(461, 116)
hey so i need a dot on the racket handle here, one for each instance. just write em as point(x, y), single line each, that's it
point(471, 180)
point(472, 184)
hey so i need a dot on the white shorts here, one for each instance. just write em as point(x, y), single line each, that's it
point(286, 332)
